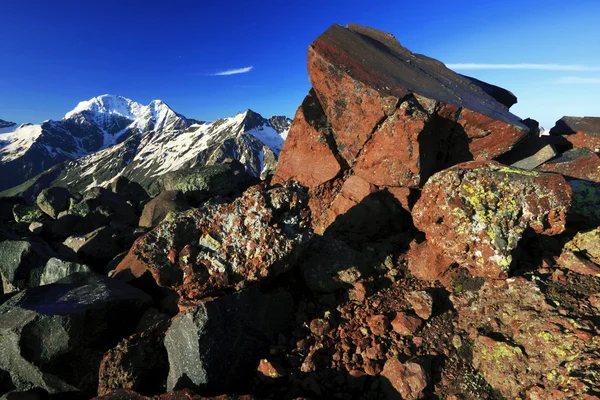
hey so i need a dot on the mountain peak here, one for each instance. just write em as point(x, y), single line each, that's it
point(107, 104)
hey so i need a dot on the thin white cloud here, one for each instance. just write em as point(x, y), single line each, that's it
point(535, 67)
point(573, 80)
point(233, 71)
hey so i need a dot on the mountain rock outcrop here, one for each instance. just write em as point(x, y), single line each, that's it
point(387, 119)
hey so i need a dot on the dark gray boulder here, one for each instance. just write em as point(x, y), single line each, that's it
point(27, 213)
point(218, 344)
point(54, 336)
point(98, 246)
point(57, 269)
point(157, 209)
point(129, 190)
point(53, 201)
point(201, 183)
point(22, 263)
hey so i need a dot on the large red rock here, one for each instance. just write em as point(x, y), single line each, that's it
point(475, 213)
point(577, 163)
point(204, 251)
point(388, 117)
point(580, 131)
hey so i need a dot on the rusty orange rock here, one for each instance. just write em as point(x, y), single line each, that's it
point(475, 213)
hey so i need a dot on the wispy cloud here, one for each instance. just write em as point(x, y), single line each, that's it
point(535, 67)
point(573, 80)
point(235, 71)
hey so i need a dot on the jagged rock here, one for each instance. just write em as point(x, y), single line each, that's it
point(53, 201)
point(22, 263)
point(129, 190)
point(385, 118)
point(57, 269)
point(576, 163)
point(525, 334)
point(532, 151)
point(157, 209)
point(100, 245)
point(108, 204)
point(36, 227)
point(426, 264)
point(27, 213)
point(332, 265)
point(310, 141)
point(223, 246)
point(475, 213)
point(579, 131)
point(421, 302)
point(138, 363)
point(204, 182)
point(54, 336)
point(406, 381)
point(218, 344)
point(406, 324)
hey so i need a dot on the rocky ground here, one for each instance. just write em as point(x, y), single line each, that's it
point(417, 241)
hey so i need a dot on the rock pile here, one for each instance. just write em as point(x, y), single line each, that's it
point(417, 241)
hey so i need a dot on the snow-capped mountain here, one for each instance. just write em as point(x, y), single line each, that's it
point(247, 137)
point(92, 126)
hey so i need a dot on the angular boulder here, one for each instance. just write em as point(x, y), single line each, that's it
point(217, 345)
point(22, 263)
point(581, 132)
point(53, 201)
point(223, 246)
point(579, 163)
point(27, 213)
point(475, 213)
point(386, 116)
point(98, 246)
point(54, 336)
point(204, 182)
point(57, 269)
point(157, 209)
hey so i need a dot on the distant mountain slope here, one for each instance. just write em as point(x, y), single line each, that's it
point(92, 126)
point(247, 137)
point(5, 124)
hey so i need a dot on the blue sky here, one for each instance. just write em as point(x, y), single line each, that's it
point(54, 54)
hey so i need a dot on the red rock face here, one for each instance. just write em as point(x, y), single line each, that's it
point(582, 132)
point(475, 213)
point(575, 163)
point(386, 116)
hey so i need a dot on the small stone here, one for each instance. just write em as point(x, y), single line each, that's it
point(421, 302)
point(405, 324)
point(270, 369)
point(319, 326)
point(378, 324)
point(408, 379)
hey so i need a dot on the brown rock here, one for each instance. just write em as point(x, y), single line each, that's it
point(259, 235)
point(576, 163)
point(406, 324)
point(319, 326)
point(577, 264)
point(407, 380)
point(580, 131)
point(421, 302)
point(378, 324)
point(270, 369)
point(157, 209)
point(425, 263)
point(475, 213)
point(138, 363)
point(306, 156)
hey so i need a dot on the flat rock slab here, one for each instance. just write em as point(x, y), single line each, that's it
point(475, 213)
point(579, 163)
